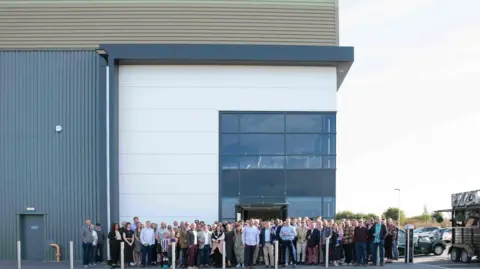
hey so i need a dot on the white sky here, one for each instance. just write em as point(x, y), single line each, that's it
point(409, 109)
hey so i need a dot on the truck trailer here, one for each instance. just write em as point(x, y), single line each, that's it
point(465, 226)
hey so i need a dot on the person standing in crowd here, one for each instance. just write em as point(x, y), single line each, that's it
point(267, 239)
point(204, 241)
point(129, 239)
point(250, 241)
point(288, 234)
point(379, 233)
point(182, 243)
point(229, 244)
point(321, 242)
point(218, 237)
point(147, 237)
point(313, 242)
point(334, 245)
point(159, 233)
point(115, 238)
point(370, 236)
point(391, 234)
point(138, 244)
point(360, 235)
point(94, 246)
point(281, 255)
point(134, 223)
point(395, 243)
point(256, 223)
point(87, 239)
point(192, 241)
point(301, 242)
point(348, 242)
point(238, 245)
point(100, 244)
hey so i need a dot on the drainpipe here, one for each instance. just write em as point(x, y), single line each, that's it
point(104, 54)
point(108, 150)
point(57, 247)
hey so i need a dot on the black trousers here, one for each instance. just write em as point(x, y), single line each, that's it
point(348, 249)
point(99, 253)
point(249, 251)
point(288, 244)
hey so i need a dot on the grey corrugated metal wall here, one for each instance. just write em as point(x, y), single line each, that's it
point(60, 174)
point(86, 24)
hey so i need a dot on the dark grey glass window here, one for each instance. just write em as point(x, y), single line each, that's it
point(262, 123)
point(304, 144)
point(329, 162)
point(320, 182)
point(262, 183)
point(304, 206)
point(230, 183)
point(268, 157)
point(228, 207)
point(330, 146)
point(229, 123)
point(229, 162)
point(328, 207)
point(262, 144)
point(262, 162)
point(230, 144)
point(304, 162)
point(304, 123)
point(330, 123)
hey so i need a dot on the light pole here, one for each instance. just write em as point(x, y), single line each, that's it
point(398, 220)
point(103, 53)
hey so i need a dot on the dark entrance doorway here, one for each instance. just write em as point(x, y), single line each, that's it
point(32, 237)
point(262, 212)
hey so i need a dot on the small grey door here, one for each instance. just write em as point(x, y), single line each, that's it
point(33, 237)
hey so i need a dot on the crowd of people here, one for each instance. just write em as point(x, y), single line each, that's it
point(245, 243)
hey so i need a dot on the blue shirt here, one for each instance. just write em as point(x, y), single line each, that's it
point(267, 235)
point(288, 233)
point(378, 228)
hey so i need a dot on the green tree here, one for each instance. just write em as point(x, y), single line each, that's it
point(346, 214)
point(392, 212)
point(437, 216)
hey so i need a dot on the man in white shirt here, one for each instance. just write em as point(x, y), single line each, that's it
point(147, 237)
point(250, 239)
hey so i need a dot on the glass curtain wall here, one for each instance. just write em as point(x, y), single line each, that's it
point(269, 157)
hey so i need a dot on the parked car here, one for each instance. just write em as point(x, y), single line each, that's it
point(422, 244)
point(446, 234)
point(427, 231)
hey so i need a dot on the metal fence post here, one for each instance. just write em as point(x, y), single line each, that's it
point(223, 254)
point(71, 254)
point(276, 254)
point(327, 251)
point(19, 255)
point(122, 255)
point(174, 249)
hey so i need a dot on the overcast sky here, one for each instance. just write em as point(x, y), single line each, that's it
point(409, 109)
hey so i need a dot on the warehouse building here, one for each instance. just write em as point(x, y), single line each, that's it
point(166, 110)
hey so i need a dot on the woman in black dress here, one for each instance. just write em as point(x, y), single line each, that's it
point(115, 239)
point(217, 249)
point(229, 245)
point(335, 246)
point(128, 237)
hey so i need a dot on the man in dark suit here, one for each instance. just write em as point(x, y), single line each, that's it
point(379, 231)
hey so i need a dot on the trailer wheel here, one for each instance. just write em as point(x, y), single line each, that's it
point(454, 255)
point(464, 257)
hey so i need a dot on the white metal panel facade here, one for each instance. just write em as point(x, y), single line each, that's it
point(169, 128)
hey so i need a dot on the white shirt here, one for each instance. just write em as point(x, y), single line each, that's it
point(250, 236)
point(195, 241)
point(147, 236)
point(207, 237)
point(95, 237)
